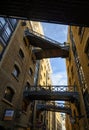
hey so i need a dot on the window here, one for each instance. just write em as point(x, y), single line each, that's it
point(16, 71)
point(13, 22)
point(86, 101)
point(81, 31)
point(7, 27)
point(9, 93)
point(87, 48)
point(2, 23)
point(30, 71)
point(27, 87)
point(21, 53)
point(6, 33)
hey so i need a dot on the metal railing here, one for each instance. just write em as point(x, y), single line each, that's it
point(57, 107)
point(59, 104)
point(50, 93)
point(61, 88)
point(62, 45)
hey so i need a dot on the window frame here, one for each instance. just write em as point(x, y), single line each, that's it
point(87, 48)
point(30, 71)
point(16, 71)
point(8, 94)
point(27, 86)
point(81, 32)
point(21, 53)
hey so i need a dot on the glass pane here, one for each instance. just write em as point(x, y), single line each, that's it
point(21, 53)
point(2, 21)
point(6, 34)
point(30, 72)
point(8, 31)
point(15, 72)
point(8, 94)
point(13, 21)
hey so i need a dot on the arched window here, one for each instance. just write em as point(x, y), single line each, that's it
point(87, 48)
point(9, 93)
point(16, 71)
point(30, 71)
point(27, 87)
point(21, 53)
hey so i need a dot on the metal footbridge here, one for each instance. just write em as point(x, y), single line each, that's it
point(52, 93)
point(55, 107)
point(44, 47)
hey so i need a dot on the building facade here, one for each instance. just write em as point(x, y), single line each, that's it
point(19, 71)
point(17, 68)
point(42, 119)
point(78, 76)
point(58, 121)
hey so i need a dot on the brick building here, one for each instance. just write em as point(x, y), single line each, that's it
point(17, 68)
point(19, 71)
point(78, 76)
point(42, 119)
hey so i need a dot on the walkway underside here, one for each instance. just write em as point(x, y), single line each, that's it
point(45, 47)
point(48, 95)
point(73, 12)
point(54, 108)
point(62, 96)
point(52, 53)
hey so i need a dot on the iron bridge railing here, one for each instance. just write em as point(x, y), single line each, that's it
point(50, 93)
point(62, 45)
point(60, 88)
point(57, 107)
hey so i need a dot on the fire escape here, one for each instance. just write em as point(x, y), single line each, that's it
point(44, 47)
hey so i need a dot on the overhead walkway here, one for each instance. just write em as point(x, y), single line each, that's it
point(44, 47)
point(49, 93)
point(62, 107)
point(70, 12)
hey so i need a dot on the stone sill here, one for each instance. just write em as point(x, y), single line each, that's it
point(7, 102)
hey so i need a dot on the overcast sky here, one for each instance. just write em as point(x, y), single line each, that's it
point(57, 32)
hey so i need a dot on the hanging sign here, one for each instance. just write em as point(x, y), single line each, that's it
point(8, 114)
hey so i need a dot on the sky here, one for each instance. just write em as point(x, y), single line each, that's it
point(57, 32)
